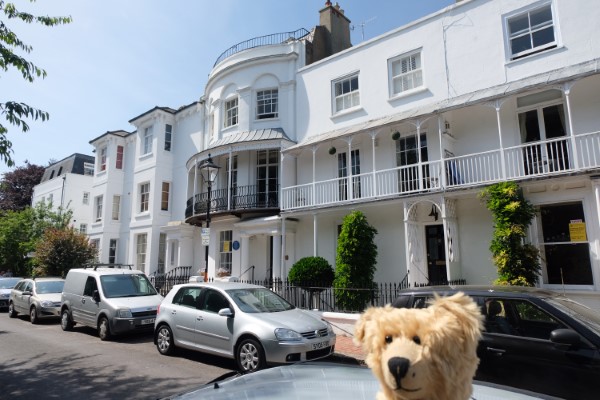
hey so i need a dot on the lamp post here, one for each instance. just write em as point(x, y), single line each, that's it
point(209, 171)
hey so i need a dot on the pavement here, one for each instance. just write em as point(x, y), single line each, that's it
point(345, 348)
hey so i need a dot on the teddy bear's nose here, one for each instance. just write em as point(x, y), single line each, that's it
point(398, 366)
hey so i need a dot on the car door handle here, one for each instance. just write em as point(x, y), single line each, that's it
point(199, 318)
point(173, 312)
point(497, 352)
point(82, 301)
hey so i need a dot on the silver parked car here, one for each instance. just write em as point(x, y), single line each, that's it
point(6, 285)
point(248, 323)
point(39, 297)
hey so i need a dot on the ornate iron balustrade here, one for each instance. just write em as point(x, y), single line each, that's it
point(275, 38)
point(241, 198)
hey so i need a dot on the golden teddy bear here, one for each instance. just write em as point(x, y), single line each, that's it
point(428, 353)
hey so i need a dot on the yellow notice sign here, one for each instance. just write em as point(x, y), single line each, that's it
point(226, 247)
point(577, 231)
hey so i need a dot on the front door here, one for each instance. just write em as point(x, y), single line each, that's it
point(436, 254)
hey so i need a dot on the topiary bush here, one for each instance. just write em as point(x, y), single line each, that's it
point(309, 271)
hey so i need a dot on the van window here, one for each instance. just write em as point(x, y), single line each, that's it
point(90, 286)
point(126, 285)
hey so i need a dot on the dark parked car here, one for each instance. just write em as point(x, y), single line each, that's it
point(535, 339)
point(6, 285)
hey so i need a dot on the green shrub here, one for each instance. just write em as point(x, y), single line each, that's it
point(311, 270)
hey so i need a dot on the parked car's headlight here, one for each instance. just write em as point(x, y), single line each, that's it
point(4, 295)
point(329, 328)
point(47, 303)
point(124, 313)
point(287, 334)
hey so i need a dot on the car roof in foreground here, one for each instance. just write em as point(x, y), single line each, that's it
point(224, 285)
point(483, 290)
point(320, 380)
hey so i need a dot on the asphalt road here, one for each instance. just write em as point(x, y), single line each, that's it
point(43, 362)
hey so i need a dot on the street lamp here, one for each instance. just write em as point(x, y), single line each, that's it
point(209, 171)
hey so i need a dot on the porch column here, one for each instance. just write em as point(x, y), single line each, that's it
point(442, 162)
point(277, 256)
point(195, 183)
point(374, 184)
point(314, 176)
point(567, 91)
point(186, 252)
point(245, 258)
point(419, 160)
point(315, 235)
point(283, 250)
point(349, 170)
point(406, 242)
point(168, 251)
point(596, 187)
point(230, 163)
point(497, 106)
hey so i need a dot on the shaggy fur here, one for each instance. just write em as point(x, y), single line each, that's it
point(428, 353)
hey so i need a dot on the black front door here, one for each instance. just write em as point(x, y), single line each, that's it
point(436, 254)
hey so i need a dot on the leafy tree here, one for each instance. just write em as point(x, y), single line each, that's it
point(16, 186)
point(311, 271)
point(13, 111)
point(20, 231)
point(59, 250)
point(517, 262)
point(355, 262)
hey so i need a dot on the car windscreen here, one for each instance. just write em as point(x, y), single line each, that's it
point(49, 287)
point(258, 300)
point(8, 283)
point(584, 314)
point(126, 285)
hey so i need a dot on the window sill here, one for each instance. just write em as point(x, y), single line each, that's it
point(266, 119)
point(142, 215)
point(146, 156)
point(101, 174)
point(407, 93)
point(532, 56)
point(347, 111)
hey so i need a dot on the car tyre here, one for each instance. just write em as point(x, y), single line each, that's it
point(250, 356)
point(165, 342)
point(104, 329)
point(11, 310)
point(66, 323)
point(33, 316)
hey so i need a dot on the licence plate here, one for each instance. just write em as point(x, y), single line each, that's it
point(321, 345)
point(147, 321)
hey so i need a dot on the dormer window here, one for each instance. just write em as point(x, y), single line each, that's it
point(52, 174)
point(147, 141)
point(102, 159)
point(266, 104)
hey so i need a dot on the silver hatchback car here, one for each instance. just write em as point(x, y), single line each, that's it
point(248, 323)
point(39, 297)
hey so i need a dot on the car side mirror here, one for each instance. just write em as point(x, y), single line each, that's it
point(96, 296)
point(565, 338)
point(226, 312)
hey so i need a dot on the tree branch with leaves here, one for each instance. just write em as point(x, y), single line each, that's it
point(14, 112)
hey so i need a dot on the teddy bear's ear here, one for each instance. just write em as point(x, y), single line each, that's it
point(464, 309)
point(361, 325)
point(367, 324)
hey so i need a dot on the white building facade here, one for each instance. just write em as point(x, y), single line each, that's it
point(408, 128)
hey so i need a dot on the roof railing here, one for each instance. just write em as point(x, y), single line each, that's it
point(275, 38)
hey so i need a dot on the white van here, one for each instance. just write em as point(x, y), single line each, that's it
point(112, 300)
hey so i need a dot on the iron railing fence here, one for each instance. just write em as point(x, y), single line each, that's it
point(275, 38)
point(310, 295)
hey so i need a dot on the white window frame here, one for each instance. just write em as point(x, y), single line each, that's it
point(344, 97)
point(120, 156)
point(102, 159)
point(141, 247)
point(225, 253)
point(98, 200)
point(409, 78)
point(165, 196)
point(116, 207)
point(230, 114)
point(112, 248)
point(88, 169)
point(530, 31)
point(83, 229)
point(168, 137)
point(267, 99)
point(144, 192)
point(147, 140)
point(86, 198)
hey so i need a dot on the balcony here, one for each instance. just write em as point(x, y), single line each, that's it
point(236, 200)
point(531, 160)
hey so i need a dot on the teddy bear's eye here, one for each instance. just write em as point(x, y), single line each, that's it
point(388, 339)
point(417, 339)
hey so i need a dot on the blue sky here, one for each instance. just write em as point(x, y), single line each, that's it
point(120, 58)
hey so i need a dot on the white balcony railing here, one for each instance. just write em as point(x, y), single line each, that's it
point(542, 158)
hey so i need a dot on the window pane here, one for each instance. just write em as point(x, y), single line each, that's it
point(518, 24)
point(568, 264)
point(520, 44)
point(543, 36)
point(541, 17)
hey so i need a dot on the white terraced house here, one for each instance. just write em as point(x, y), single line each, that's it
point(407, 127)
